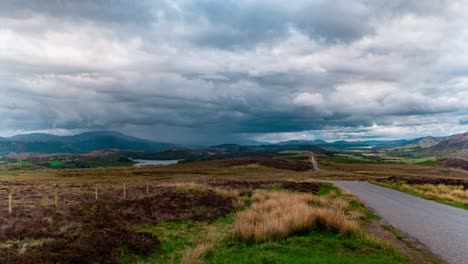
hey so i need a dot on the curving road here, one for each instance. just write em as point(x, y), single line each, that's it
point(442, 228)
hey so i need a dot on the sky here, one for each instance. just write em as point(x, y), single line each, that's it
point(210, 71)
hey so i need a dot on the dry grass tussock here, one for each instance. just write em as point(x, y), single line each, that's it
point(446, 192)
point(227, 193)
point(274, 216)
point(195, 255)
point(183, 185)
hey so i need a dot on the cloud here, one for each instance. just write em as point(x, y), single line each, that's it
point(307, 99)
point(213, 71)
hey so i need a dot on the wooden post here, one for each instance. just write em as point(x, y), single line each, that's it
point(124, 191)
point(56, 200)
point(10, 203)
point(147, 189)
point(96, 197)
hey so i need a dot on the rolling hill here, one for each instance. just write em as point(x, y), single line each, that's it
point(455, 146)
point(77, 144)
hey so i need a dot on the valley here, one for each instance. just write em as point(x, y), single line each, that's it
point(188, 204)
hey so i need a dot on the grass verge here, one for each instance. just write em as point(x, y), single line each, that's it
point(452, 195)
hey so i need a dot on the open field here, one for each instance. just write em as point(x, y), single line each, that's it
point(191, 213)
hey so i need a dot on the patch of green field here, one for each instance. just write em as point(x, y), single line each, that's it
point(55, 163)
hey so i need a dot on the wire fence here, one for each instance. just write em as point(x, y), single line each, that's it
point(24, 198)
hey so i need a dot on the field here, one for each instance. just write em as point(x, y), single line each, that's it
point(199, 212)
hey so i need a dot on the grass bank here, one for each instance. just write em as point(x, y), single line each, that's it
point(448, 194)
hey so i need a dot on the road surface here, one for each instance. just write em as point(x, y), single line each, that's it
point(314, 163)
point(441, 228)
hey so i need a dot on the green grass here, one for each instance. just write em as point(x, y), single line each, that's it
point(275, 187)
point(326, 188)
point(176, 237)
point(55, 163)
point(312, 247)
point(316, 246)
point(428, 163)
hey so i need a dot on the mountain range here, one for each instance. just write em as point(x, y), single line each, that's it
point(101, 140)
point(77, 144)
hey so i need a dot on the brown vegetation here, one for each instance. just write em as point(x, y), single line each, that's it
point(451, 193)
point(294, 165)
point(455, 162)
point(274, 216)
point(289, 185)
point(89, 232)
point(430, 180)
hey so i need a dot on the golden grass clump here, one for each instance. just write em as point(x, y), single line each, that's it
point(274, 216)
point(441, 191)
point(336, 220)
point(195, 255)
point(227, 193)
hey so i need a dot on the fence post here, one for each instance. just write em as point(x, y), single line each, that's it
point(124, 191)
point(147, 189)
point(96, 197)
point(10, 203)
point(56, 200)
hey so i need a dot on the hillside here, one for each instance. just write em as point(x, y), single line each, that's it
point(456, 142)
point(419, 143)
point(452, 146)
point(77, 144)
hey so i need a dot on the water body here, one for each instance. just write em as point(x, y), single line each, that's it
point(143, 162)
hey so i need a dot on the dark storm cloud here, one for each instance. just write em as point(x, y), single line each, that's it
point(211, 71)
point(117, 11)
point(242, 24)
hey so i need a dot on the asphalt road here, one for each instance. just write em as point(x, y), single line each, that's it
point(441, 228)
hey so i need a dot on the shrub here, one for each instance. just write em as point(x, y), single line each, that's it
point(276, 215)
